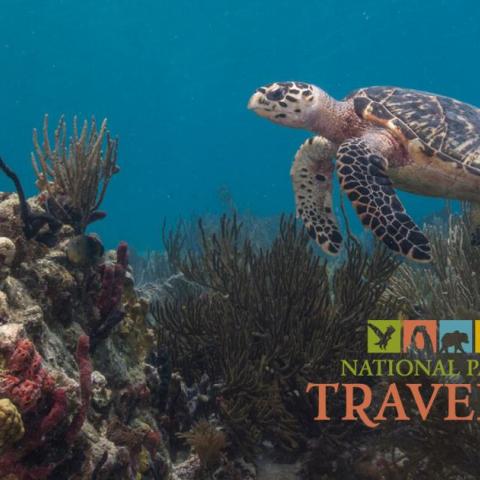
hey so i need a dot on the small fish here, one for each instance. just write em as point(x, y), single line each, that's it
point(84, 250)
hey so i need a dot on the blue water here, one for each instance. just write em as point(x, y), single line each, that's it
point(173, 78)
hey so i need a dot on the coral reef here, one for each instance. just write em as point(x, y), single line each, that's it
point(192, 363)
point(57, 299)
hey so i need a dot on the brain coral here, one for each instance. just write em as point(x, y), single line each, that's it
point(11, 424)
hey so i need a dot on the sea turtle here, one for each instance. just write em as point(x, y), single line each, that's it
point(383, 138)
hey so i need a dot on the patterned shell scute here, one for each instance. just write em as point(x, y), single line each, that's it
point(449, 127)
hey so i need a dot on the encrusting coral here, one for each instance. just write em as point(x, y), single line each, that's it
point(42, 403)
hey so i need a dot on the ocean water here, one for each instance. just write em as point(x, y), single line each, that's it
point(173, 78)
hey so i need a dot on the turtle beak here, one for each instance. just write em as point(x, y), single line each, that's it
point(254, 102)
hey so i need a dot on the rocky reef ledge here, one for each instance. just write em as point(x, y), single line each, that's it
point(87, 388)
point(83, 387)
point(75, 400)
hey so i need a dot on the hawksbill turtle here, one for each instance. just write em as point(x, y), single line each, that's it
point(383, 138)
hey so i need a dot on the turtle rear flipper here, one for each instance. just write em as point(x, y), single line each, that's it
point(362, 175)
point(311, 175)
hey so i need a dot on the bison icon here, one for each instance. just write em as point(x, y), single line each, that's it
point(455, 340)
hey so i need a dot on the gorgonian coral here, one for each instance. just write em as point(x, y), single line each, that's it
point(268, 321)
point(74, 178)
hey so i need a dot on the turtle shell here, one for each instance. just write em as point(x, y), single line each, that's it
point(445, 128)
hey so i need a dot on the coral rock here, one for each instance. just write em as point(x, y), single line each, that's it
point(7, 251)
point(101, 395)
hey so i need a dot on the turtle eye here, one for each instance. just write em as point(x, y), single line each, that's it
point(277, 94)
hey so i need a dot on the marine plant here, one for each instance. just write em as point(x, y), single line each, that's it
point(74, 177)
point(266, 322)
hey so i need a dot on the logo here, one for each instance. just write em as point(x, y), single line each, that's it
point(428, 336)
point(456, 336)
point(425, 360)
point(384, 336)
point(419, 335)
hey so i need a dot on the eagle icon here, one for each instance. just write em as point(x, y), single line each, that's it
point(383, 337)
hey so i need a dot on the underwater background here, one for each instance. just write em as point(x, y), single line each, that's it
point(120, 360)
point(173, 79)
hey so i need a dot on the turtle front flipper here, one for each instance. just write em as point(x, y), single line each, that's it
point(362, 174)
point(311, 174)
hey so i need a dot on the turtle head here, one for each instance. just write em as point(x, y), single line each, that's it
point(292, 104)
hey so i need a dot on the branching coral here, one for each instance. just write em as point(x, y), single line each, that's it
point(75, 177)
point(269, 321)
